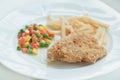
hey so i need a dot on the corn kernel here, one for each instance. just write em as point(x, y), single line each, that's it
point(48, 41)
point(28, 38)
point(44, 27)
point(26, 44)
point(42, 41)
point(34, 51)
point(40, 28)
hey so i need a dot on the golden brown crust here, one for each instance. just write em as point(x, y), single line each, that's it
point(76, 47)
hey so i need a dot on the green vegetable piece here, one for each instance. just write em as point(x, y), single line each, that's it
point(21, 30)
point(43, 44)
point(46, 36)
point(29, 46)
point(26, 26)
point(49, 38)
point(19, 33)
point(18, 48)
point(35, 27)
point(46, 45)
point(30, 51)
point(38, 35)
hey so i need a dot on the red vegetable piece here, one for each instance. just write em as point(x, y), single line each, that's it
point(34, 32)
point(44, 32)
point(51, 34)
point(47, 32)
point(30, 29)
point(35, 45)
point(21, 41)
point(23, 34)
point(24, 50)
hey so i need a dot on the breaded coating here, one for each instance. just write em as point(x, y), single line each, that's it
point(76, 47)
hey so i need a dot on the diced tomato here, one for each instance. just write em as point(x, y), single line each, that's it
point(23, 34)
point(30, 28)
point(34, 32)
point(21, 41)
point(24, 50)
point(42, 38)
point(35, 45)
point(51, 34)
point(44, 32)
point(48, 32)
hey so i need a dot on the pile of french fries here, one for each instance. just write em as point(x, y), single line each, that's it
point(64, 26)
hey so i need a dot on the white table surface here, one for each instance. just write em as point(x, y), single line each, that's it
point(6, 6)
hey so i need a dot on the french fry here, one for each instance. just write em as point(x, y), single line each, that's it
point(94, 23)
point(65, 26)
point(63, 29)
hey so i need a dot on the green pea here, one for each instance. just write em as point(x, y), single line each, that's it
point(44, 44)
point(22, 30)
point(30, 51)
point(41, 44)
point(18, 48)
point(29, 46)
point(46, 36)
point(38, 35)
point(49, 38)
point(35, 27)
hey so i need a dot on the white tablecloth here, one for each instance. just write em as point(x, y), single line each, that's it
point(6, 6)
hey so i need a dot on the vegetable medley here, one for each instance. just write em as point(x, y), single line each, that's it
point(33, 37)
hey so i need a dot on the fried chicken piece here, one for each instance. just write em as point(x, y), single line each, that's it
point(76, 47)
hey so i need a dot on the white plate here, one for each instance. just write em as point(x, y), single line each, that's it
point(36, 66)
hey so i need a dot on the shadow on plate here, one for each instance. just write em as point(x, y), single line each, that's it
point(64, 65)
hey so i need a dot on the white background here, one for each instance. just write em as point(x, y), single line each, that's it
point(6, 6)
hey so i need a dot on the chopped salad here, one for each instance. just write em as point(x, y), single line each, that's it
point(33, 37)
